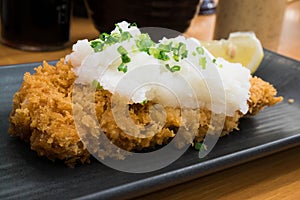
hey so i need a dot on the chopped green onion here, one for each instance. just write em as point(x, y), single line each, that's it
point(107, 40)
point(125, 58)
point(97, 45)
point(165, 47)
point(200, 50)
point(132, 24)
point(220, 65)
point(194, 53)
point(112, 39)
point(179, 51)
point(168, 67)
point(144, 102)
point(154, 52)
point(122, 50)
point(96, 85)
point(200, 146)
point(184, 54)
point(202, 62)
point(122, 68)
point(125, 36)
point(176, 48)
point(176, 58)
point(119, 28)
point(175, 68)
point(182, 50)
point(163, 56)
point(134, 49)
point(144, 42)
point(102, 36)
point(214, 60)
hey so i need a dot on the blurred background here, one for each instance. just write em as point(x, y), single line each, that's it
point(90, 17)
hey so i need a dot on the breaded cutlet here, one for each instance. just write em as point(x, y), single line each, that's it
point(42, 114)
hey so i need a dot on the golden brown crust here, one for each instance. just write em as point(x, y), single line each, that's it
point(42, 114)
point(262, 94)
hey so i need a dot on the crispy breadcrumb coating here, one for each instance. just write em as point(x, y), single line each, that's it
point(262, 95)
point(42, 114)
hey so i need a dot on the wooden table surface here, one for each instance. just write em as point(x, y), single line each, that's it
point(273, 177)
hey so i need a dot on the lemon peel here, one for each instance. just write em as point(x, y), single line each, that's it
point(240, 47)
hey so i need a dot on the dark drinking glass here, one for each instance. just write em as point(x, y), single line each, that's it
point(37, 25)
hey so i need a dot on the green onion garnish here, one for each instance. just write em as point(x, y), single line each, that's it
point(182, 50)
point(132, 24)
point(125, 58)
point(175, 68)
point(179, 51)
point(202, 62)
point(122, 68)
point(102, 36)
point(122, 50)
point(158, 54)
point(125, 36)
point(163, 56)
point(176, 58)
point(110, 39)
point(144, 42)
point(96, 85)
point(200, 50)
point(144, 102)
point(97, 45)
point(200, 146)
point(119, 28)
point(154, 52)
point(214, 60)
point(165, 47)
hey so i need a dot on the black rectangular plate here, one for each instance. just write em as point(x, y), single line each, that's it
point(24, 175)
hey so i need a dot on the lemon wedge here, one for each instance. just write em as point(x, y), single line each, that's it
point(240, 47)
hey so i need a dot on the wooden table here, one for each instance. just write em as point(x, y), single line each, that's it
point(273, 177)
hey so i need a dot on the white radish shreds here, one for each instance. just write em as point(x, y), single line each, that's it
point(81, 50)
point(201, 81)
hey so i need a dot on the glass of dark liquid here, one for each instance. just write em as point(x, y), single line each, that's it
point(35, 25)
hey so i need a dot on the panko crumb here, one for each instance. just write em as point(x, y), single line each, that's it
point(291, 101)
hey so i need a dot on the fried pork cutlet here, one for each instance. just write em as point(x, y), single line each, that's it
point(42, 114)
